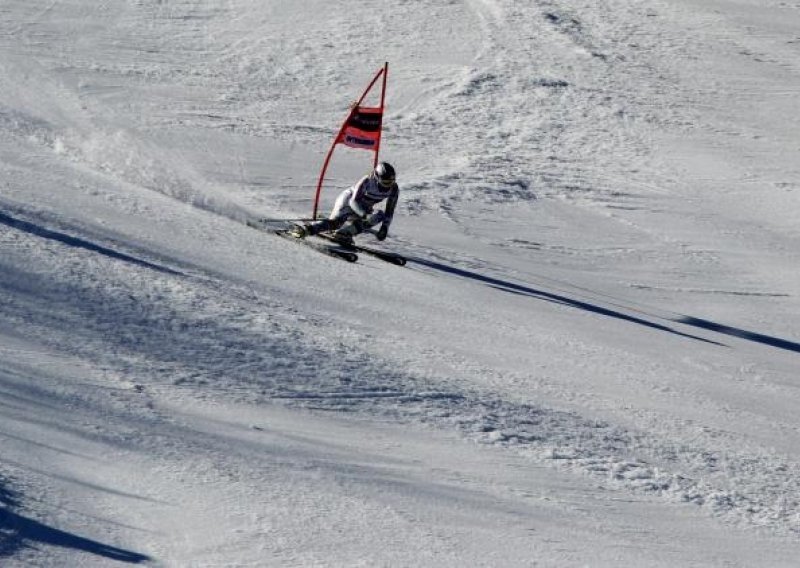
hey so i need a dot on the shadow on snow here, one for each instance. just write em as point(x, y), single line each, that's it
point(523, 290)
point(18, 532)
point(741, 333)
point(520, 289)
point(63, 238)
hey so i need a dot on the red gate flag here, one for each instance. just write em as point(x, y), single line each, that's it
point(361, 129)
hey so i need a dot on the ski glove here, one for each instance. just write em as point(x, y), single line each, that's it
point(382, 232)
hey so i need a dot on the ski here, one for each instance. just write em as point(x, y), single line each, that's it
point(332, 246)
point(391, 257)
point(336, 251)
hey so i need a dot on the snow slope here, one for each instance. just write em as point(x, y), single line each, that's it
point(591, 357)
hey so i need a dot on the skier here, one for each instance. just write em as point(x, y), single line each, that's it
point(353, 210)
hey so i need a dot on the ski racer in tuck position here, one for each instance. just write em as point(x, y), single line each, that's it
point(353, 210)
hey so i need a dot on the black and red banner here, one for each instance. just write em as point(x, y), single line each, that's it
point(362, 129)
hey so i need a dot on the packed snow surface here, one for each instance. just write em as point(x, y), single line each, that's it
point(592, 357)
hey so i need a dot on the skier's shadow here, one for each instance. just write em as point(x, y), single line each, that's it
point(741, 333)
point(523, 290)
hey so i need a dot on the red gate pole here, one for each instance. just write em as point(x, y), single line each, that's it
point(325, 166)
point(353, 108)
point(383, 99)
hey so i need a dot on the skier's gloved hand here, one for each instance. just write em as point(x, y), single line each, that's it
point(382, 232)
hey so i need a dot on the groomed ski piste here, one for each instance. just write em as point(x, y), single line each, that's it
point(591, 357)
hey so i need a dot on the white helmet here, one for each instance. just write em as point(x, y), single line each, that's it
point(384, 173)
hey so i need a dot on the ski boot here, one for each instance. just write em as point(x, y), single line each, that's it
point(301, 231)
point(343, 239)
point(345, 234)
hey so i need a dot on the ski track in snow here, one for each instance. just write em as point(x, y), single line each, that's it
point(500, 105)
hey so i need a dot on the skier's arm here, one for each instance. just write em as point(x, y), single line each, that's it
point(391, 203)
